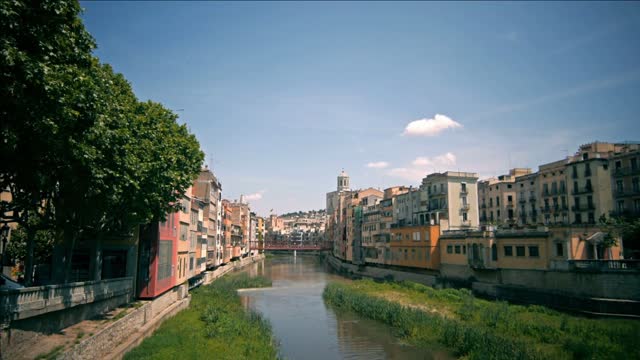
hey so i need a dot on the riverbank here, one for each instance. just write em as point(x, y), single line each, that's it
point(215, 323)
point(477, 328)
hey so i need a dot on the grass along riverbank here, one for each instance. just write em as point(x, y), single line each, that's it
point(480, 329)
point(214, 326)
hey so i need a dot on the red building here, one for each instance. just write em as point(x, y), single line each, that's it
point(157, 257)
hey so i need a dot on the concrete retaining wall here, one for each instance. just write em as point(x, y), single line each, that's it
point(116, 339)
point(611, 293)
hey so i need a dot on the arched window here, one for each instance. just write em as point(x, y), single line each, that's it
point(494, 252)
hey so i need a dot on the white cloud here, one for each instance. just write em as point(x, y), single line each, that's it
point(378, 165)
point(440, 160)
point(254, 196)
point(431, 127)
point(422, 166)
point(410, 174)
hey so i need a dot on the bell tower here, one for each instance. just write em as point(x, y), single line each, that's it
point(343, 181)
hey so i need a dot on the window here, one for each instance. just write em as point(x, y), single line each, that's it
point(534, 251)
point(498, 214)
point(559, 249)
point(416, 236)
point(508, 250)
point(165, 254)
point(464, 249)
point(449, 249)
point(464, 187)
point(185, 206)
point(508, 186)
point(457, 248)
point(510, 198)
point(406, 254)
point(635, 184)
point(519, 250)
point(494, 252)
point(184, 232)
point(413, 254)
point(497, 201)
point(464, 216)
point(194, 217)
point(634, 163)
point(427, 254)
point(620, 205)
point(618, 164)
point(191, 260)
point(464, 200)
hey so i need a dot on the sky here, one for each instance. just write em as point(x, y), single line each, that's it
point(282, 96)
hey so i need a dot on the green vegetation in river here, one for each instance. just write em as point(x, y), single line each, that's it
point(214, 326)
point(480, 329)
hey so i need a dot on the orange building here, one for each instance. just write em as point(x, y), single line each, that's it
point(414, 246)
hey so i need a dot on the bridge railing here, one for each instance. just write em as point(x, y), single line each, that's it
point(17, 304)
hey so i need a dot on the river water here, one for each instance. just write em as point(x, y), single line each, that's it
point(307, 328)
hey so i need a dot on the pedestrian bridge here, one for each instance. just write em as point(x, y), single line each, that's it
point(291, 247)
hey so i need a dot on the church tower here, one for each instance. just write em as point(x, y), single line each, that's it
point(343, 182)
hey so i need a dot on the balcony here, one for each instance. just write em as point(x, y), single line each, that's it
point(625, 171)
point(483, 206)
point(465, 207)
point(545, 209)
point(584, 190)
point(522, 201)
point(509, 204)
point(463, 192)
point(623, 193)
point(532, 198)
point(582, 207)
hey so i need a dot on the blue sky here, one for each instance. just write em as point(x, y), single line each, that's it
point(282, 96)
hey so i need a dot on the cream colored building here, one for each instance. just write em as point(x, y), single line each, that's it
point(527, 211)
point(498, 198)
point(451, 200)
point(625, 170)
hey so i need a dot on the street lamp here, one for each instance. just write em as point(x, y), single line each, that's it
point(4, 232)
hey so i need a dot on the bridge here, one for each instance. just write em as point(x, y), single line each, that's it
point(291, 247)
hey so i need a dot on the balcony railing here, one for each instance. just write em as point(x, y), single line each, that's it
point(510, 204)
point(582, 207)
point(522, 200)
point(584, 190)
point(464, 192)
point(604, 265)
point(532, 198)
point(626, 171)
point(465, 206)
point(483, 206)
point(622, 193)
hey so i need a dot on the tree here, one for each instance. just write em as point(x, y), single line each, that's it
point(80, 152)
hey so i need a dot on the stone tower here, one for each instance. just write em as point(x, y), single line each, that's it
point(343, 181)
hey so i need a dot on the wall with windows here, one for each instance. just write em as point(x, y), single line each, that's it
point(415, 246)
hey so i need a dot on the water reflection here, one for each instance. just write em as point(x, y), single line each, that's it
point(307, 328)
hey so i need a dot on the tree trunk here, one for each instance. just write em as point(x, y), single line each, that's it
point(31, 244)
point(70, 243)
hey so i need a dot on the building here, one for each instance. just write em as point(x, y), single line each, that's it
point(209, 190)
point(416, 246)
point(451, 200)
point(157, 257)
point(336, 231)
point(478, 254)
point(353, 216)
point(527, 212)
point(227, 246)
point(498, 198)
point(184, 239)
point(240, 216)
point(626, 180)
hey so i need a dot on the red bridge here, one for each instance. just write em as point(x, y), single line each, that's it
point(291, 247)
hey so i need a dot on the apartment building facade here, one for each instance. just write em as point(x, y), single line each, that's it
point(451, 200)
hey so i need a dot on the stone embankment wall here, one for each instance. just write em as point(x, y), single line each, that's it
point(119, 337)
point(597, 293)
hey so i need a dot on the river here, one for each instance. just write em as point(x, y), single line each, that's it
point(307, 328)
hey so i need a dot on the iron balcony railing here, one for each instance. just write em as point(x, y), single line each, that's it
point(584, 190)
point(604, 265)
point(626, 171)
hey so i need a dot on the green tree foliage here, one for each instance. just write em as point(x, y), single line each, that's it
point(44, 241)
point(79, 150)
